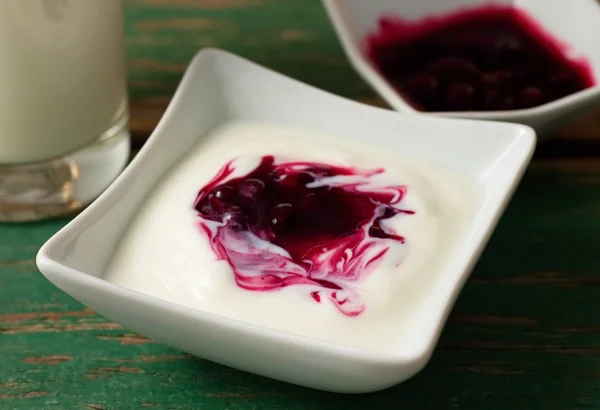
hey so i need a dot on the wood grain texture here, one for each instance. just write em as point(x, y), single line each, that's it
point(293, 37)
point(524, 333)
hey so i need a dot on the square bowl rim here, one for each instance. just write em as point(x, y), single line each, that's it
point(53, 268)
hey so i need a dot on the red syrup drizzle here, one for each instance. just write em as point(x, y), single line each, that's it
point(484, 58)
point(300, 223)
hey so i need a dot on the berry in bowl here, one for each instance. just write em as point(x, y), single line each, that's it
point(524, 62)
point(281, 230)
point(301, 223)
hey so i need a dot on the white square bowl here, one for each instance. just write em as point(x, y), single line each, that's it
point(576, 24)
point(218, 87)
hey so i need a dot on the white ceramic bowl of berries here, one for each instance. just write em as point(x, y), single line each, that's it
point(534, 62)
point(218, 88)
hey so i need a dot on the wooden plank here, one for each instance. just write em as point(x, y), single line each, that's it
point(524, 334)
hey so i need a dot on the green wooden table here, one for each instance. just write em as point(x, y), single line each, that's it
point(524, 334)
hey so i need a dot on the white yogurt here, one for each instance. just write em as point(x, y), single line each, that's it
point(163, 254)
point(62, 75)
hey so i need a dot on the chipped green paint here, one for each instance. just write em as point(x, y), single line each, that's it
point(524, 333)
point(293, 37)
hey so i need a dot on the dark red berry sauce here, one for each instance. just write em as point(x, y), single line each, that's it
point(481, 59)
point(300, 223)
